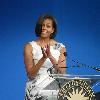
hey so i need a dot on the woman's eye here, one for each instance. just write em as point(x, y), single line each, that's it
point(48, 26)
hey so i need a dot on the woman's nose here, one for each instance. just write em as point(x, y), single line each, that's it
point(43, 27)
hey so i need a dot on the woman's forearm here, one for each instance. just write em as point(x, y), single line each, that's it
point(34, 69)
point(55, 63)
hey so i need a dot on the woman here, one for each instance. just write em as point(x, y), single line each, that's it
point(41, 55)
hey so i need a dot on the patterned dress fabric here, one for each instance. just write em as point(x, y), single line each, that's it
point(37, 84)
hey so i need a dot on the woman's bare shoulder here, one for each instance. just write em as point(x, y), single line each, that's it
point(28, 47)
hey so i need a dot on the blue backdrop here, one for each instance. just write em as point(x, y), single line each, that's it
point(78, 28)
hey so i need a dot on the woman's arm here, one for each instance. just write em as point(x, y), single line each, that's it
point(61, 62)
point(31, 68)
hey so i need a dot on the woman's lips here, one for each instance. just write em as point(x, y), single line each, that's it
point(44, 31)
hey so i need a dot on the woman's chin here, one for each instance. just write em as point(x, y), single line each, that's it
point(44, 36)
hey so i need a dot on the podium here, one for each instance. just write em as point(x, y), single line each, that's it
point(71, 87)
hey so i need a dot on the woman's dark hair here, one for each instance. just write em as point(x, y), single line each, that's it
point(38, 27)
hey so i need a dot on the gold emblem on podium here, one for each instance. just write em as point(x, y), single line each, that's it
point(76, 90)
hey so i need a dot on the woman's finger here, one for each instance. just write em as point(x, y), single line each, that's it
point(43, 52)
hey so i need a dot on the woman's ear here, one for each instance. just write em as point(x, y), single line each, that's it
point(52, 32)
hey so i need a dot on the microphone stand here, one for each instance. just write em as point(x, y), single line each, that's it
point(81, 64)
point(92, 67)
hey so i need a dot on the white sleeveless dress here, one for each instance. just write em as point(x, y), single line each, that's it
point(42, 79)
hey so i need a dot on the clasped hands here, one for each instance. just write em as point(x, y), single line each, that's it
point(47, 54)
point(46, 51)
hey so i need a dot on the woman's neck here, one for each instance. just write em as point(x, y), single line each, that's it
point(44, 40)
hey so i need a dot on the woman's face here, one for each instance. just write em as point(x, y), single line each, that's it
point(47, 28)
